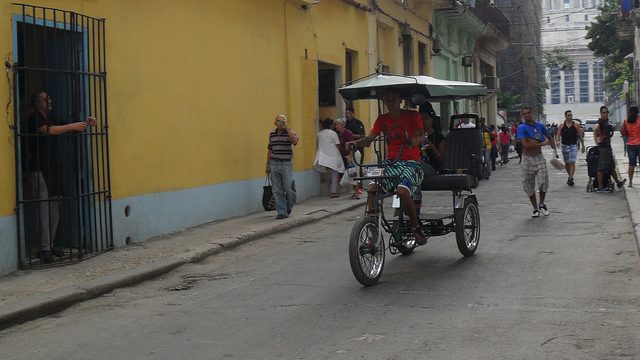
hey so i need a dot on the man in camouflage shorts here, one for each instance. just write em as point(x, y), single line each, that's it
point(534, 135)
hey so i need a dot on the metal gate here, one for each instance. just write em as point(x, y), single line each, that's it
point(62, 171)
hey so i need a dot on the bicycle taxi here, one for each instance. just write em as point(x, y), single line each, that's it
point(374, 233)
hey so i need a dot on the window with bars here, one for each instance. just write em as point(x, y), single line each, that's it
point(569, 87)
point(598, 82)
point(555, 85)
point(583, 74)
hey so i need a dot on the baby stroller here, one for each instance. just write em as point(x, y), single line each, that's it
point(593, 154)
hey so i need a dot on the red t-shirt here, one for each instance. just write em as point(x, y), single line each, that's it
point(504, 138)
point(394, 130)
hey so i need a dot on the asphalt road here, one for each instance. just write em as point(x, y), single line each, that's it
point(564, 286)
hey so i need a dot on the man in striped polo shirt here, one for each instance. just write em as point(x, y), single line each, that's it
point(279, 166)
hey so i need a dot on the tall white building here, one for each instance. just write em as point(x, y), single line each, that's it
point(581, 89)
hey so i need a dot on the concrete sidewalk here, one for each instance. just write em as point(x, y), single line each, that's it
point(29, 294)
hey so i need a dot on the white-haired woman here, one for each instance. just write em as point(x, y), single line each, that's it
point(346, 136)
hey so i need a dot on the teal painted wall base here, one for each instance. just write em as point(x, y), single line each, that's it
point(163, 213)
point(8, 245)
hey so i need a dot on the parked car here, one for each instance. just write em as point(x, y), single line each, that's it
point(590, 124)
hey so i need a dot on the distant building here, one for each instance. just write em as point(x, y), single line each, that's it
point(519, 66)
point(582, 88)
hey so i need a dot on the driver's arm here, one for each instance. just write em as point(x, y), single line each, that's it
point(365, 141)
point(417, 137)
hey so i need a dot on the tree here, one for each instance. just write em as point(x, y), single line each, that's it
point(558, 58)
point(605, 44)
point(509, 101)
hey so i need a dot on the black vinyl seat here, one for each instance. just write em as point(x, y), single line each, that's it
point(462, 162)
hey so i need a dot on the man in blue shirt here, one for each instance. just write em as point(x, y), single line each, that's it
point(534, 135)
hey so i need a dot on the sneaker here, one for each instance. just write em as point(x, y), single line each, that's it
point(419, 236)
point(604, 190)
point(543, 209)
point(281, 216)
point(621, 184)
point(535, 213)
point(570, 182)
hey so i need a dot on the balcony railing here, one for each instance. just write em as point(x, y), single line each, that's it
point(493, 16)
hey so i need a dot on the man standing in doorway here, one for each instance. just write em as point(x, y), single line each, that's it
point(45, 182)
point(533, 135)
point(279, 166)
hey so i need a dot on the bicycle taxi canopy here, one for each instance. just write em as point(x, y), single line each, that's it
point(417, 89)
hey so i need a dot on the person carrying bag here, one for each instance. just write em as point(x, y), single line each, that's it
point(268, 201)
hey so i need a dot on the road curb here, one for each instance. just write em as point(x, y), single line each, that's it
point(45, 304)
point(634, 206)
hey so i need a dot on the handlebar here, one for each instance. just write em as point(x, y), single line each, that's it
point(353, 148)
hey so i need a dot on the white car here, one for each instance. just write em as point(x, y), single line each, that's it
point(590, 124)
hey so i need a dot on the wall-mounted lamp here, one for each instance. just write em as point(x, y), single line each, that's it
point(435, 47)
point(307, 4)
point(405, 33)
point(467, 61)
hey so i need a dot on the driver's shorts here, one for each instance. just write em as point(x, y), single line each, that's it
point(407, 174)
point(534, 169)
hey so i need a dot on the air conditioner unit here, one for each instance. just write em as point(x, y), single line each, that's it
point(492, 83)
point(571, 99)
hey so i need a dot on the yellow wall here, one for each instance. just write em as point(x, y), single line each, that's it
point(7, 168)
point(194, 85)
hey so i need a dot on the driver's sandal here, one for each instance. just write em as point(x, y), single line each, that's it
point(418, 235)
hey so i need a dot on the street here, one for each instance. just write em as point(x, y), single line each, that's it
point(558, 287)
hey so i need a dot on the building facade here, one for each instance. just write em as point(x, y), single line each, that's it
point(469, 36)
point(193, 89)
point(520, 65)
point(582, 87)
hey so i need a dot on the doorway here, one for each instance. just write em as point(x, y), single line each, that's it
point(63, 180)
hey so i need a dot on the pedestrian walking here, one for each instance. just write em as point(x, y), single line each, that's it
point(486, 135)
point(606, 163)
point(533, 136)
point(346, 137)
point(357, 129)
point(495, 146)
point(328, 157)
point(569, 134)
point(279, 165)
point(505, 142)
point(631, 130)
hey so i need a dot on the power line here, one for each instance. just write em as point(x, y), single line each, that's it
point(553, 18)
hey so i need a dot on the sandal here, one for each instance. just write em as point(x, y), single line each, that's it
point(419, 236)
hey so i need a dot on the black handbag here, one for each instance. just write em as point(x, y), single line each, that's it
point(268, 201)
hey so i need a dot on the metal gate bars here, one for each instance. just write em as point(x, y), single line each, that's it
point(62, 168)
